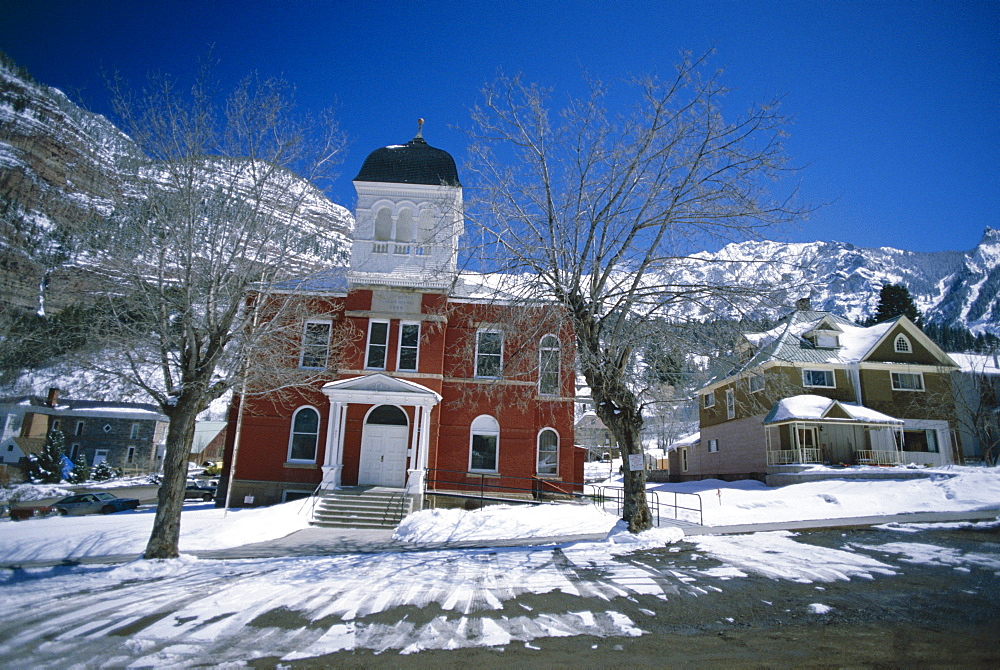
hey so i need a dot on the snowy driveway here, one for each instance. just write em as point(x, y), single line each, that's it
point(187, 612)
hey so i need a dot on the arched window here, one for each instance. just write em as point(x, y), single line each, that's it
point(387, 415)
point(404, 227)
point(426, 220)
point(548, 366)
point(902, 345)
point(304, 437)
point(484, 444)
point(548, 452)
point(383, 225)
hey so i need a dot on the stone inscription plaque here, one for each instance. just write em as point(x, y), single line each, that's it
point(401, 302)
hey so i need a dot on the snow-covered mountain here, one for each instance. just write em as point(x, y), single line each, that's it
point(61, 166)
point(953, 288)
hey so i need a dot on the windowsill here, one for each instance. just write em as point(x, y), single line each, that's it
point(553, 478)
point(299, 466)
point(492, 474)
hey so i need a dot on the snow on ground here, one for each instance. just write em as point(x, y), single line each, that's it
point(184, 610)
point(202, 527)
point(950, 489)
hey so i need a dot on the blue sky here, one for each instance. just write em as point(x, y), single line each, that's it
point(896, 104)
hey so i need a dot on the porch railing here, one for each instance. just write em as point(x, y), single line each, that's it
point(872, 457)
point(787, 456)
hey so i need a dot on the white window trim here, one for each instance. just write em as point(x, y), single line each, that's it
point(538, 452)
point(302, 346)
point(905, 341)
point(730, 404)
point(541, 349)
point(713, 446)
point(833, 378)
point(78, 429)
point(291, 435)
point(133, 432)
point(475, 360)
point(920, 375)
point(368, 343)
point(709, 400)
point(399, 347)
point(130, 455)
point(473, 433)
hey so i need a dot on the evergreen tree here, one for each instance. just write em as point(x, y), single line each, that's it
point(895, 300)
point(103, 472)
point(80, 472)
point(47, 466)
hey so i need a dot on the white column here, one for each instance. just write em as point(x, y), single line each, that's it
point(334, 462)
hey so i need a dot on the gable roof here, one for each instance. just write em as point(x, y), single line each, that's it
point(817, 408)
point(786, 342)
point(380, 388)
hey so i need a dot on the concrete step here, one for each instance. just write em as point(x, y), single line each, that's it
point(360, 507)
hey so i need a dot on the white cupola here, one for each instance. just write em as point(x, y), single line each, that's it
point(409, 217)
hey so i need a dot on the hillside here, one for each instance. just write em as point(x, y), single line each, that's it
point(60, 167)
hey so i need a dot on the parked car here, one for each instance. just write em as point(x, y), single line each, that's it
point(212, 468)
point(94, 503)
point(199, 489)
point(22, 513)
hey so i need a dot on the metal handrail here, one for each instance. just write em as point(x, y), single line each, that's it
point(534, 489)
point(653, 500)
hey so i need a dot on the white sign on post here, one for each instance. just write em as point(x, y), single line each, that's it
point(635, 462)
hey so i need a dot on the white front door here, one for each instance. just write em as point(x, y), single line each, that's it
point(383, 456)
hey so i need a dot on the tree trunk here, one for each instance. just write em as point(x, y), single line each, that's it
point(165, 538)
point(618, 408)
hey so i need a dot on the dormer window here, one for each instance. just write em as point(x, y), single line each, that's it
point(827, 341)
point(902, 345)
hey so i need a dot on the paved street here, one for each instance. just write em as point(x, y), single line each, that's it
point(870, 602)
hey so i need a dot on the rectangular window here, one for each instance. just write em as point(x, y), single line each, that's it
point(484, 453)
point(378, 343)
point(684, 459)
point(548, 366)
point(820, 378)
point(730, 404)
point(79, 428)
point(74, 451)
point(920, 440)
point(710, 399)
point(409, 346)
point(130, 455)
point(907, 381)
point(756, 383)
point(489, 353)
point(56, 424)
point(315, 344)
point(713, 446)
point(134, 432)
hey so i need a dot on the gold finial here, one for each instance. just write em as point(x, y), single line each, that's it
point(420, 128)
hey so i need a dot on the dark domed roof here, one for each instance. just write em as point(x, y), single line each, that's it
point(415, 162)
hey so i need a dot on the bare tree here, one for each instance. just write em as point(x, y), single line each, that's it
point(976, 392)
point(607, 212)
point(225, 213)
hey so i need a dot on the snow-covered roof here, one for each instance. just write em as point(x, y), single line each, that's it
point(817, 408)
point(685, 441)
point(980, 364)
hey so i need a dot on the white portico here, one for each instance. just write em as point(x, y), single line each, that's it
point(392, 451)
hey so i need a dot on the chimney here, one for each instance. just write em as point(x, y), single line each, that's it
point(802, 304)
point(53, 397)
